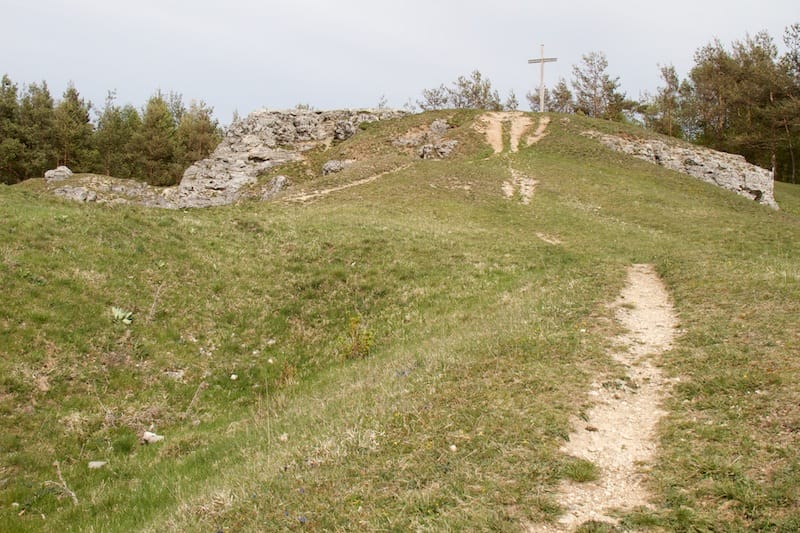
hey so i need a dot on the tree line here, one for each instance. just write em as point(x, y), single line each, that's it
point(742, 99)
point(153, 144)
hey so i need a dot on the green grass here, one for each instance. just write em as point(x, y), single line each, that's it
point(788, 197)
point(481, 342)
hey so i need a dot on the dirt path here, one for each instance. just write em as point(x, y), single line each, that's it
point(494, 130)
point(619, 436)
point(313, 195)
point(541, 131)
point(519, 125)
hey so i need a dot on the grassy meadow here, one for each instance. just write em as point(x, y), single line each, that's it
point(402, 355)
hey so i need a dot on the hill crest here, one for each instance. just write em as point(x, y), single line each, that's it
point(267, 139)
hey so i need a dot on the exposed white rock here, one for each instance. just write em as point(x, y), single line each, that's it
point(275, 185)
point(78, 194)
point(148, 437)
point(429, 141)
point(58, 174)
point(265, 139)
point(729, 171)
point(262, 140)
point(334, 165)
point(94, 465)
point(438, 150)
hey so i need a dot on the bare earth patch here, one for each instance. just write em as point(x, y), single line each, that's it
point(519, 125)
point(541, 131)
point(549, 239)
point(619, 435)
point(523, 184)
point(491, 124)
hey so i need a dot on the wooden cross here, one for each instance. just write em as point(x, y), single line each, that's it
point(542, 61)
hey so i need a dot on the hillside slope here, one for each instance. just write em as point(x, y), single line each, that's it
point(405, 344)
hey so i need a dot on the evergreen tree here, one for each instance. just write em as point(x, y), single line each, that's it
point(668, 101)
point(36, 130)
point(744, 100)
point(174, 101)
point(116, 127)
point(73, 131)
point(533, 100)
point(662, 113)
point(557, 100)
point(11, 148)
point(474, 92)
point(197, 134)
point(511, 104)
point(156, 143)
point(596, 93)
point(787, 111)
point(435, 98)
point(560, 100)
point(133, 159)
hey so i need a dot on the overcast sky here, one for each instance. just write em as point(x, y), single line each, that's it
point(246, 54)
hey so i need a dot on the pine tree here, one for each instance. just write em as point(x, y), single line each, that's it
point(561, 98)
point(133, 159)
point(156, 143)
point(744, 100)
point(474, 92)
point(787, 113)
point(36, 130)
point(197, 133)
point(73, 131)
point(596, 93)
point(435, 98)
point(557, 100)
point(662, 112)
point(116, 127)
point(511, 104)
point(11, 148)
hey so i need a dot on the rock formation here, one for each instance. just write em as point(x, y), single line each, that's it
point(58, 174)
point(335, 165)
point(729, 171)
point(259, 142)
point(429, 142)
point(113, 191)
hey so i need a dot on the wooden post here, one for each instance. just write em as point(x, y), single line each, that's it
point(541, 61)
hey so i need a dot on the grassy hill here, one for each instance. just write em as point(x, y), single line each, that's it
point(401, 355)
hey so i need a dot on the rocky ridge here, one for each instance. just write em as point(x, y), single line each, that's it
point(728, 171)
point(261, 141)
point(265, 139)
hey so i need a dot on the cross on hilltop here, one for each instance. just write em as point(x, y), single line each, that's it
point(542, 60)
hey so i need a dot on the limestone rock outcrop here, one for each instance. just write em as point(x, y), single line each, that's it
point(58, 174)
point(729, 171)
point(112, 191)
point(335, 165)
point(429, 142)
point(261, 141)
